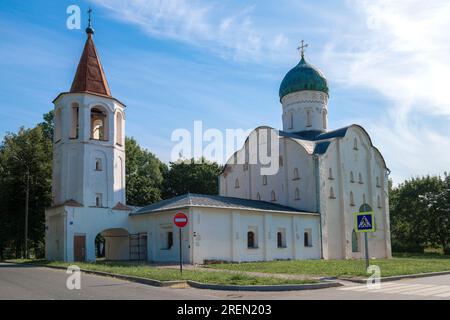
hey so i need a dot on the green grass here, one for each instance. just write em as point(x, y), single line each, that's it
point(408, 264)
point(146, 271)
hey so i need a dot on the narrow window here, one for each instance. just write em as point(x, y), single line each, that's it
point(355, 241)
point(251, 239)
point(364, 198)
point(308, 118)
point(245, 167)
point(360, 179)
point(378, 201)
point(264, 180)
point(352, 178)
point(378, 182)
point(296, 175)
point(324, 118)
point(352, 199)
point(273, 196)
point(330, 174)
point(355, 144)
point(58, 125)
point(236, 184)
point(119, 129)
point(332, 196)
point(258, 196)
point(280, 161)
point(169, 239)
point(297, 194)
point(74, 128)
point(279, 240)
point(98, 200)
point(291, 120)
point(307, 241)
point(98, 164)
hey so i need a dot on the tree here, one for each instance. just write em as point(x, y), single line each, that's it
point(411, 222)
point(192, 176)
point(25, 156)
point(144, 174)
point(438, 214)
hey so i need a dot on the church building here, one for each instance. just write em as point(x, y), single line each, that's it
point(303, 211)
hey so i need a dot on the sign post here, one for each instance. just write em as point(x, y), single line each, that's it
point(365, 223)
point(180, 220)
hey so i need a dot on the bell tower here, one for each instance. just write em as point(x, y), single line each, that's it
point(89, 139)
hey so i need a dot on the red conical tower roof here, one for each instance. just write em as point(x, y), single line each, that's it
point(90, 76)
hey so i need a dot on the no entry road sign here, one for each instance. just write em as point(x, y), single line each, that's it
point(180, 220)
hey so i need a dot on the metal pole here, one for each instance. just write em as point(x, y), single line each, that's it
point(366, 244)
point(27, 195)
point(181, 259)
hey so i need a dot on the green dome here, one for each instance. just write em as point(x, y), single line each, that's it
point(303, 76)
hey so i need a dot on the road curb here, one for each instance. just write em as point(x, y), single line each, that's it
point(282, 287)
point(199, 285)
point(395, 278)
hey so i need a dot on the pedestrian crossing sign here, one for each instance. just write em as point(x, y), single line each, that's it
point(364, 222)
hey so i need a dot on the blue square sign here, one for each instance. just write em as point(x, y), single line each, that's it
point(364, 222)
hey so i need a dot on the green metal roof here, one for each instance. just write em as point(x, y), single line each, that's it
point(303, 76)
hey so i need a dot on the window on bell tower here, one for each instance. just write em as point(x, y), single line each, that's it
point(74, 125)
point(99, 130)
point(119, 129)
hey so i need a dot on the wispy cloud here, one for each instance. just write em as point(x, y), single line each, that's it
point(229, 32)
point(400, 49)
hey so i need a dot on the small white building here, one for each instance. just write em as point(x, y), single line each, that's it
point(304, 211)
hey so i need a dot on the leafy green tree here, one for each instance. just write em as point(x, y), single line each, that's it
point(410, 218)
point(192, 176)
point(144, 174)
point(438, 215)
point(25, 159)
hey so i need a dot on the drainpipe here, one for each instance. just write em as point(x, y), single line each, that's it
point(316, 174)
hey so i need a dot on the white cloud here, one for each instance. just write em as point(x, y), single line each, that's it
point(401, 51)
point(225, 31)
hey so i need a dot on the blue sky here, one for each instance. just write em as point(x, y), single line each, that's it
point(173, 62)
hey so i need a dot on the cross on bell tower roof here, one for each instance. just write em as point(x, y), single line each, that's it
point(89, 29)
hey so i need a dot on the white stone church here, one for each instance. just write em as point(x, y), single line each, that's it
point(304, 211)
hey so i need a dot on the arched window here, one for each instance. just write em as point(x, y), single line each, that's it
point(258, 196)
point(355, 144)
point(378, 201)
point(308, 118)
point(279, 239)
point(355, 241)
point(307, 239)
point(332, 196)
point(119, 129)
point(297, 194)
point(99, 125)
point(98, 164)
point(273, 196)
point(236, 183)
point(324, 118)
point(296, 175)
point(352, 178)
point(251, 239)
point(360, 179)
point(378, 182)
point(364, 198)
point(352, 199)
point(74, 121)
point(58, 125)
point(264, 178)
point(330, 174)
point(291, 120)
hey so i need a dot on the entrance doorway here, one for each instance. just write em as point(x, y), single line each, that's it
point(138, 246)
point(79, 247)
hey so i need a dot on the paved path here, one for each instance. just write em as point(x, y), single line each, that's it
point(30, 282)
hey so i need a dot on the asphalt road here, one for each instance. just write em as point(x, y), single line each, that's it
point(27, 282)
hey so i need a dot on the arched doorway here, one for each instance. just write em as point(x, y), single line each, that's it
point(112, 244)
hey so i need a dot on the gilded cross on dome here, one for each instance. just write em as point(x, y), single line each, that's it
point(302, 47)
